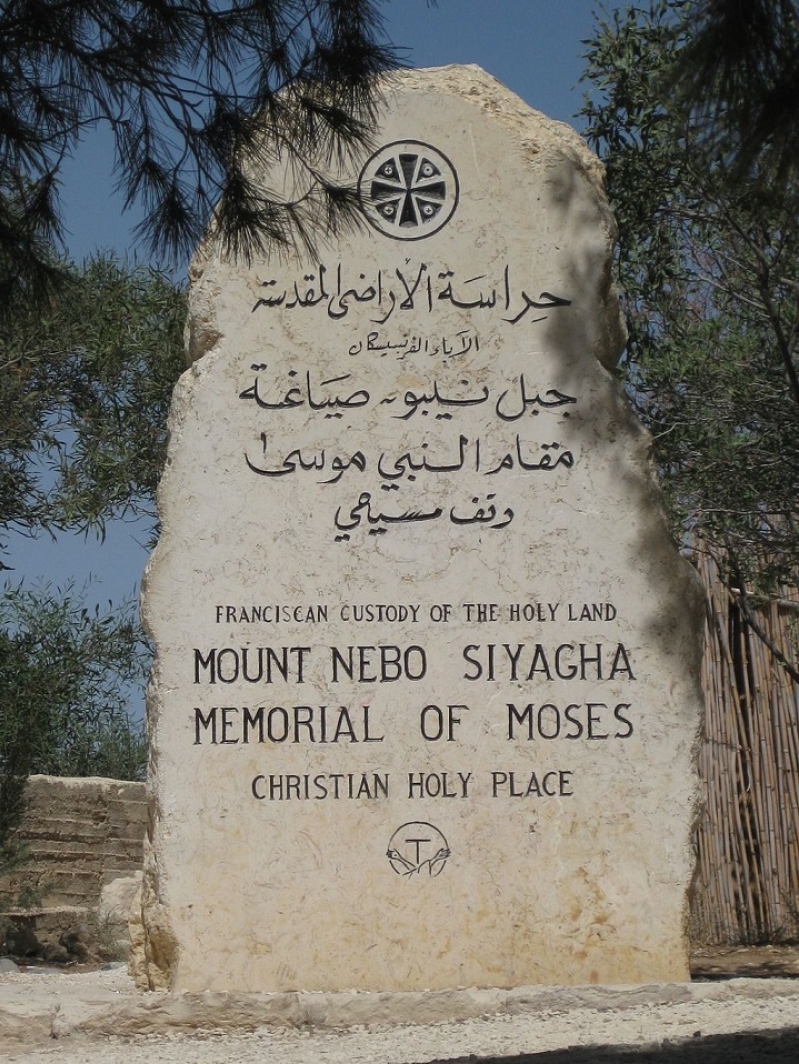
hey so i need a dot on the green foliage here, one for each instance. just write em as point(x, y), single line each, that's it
point(85, 382)
point(188, 90)
point(709, 266)
point(740, 70)
point(65, 675)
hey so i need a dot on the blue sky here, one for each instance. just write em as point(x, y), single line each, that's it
point(533, 46)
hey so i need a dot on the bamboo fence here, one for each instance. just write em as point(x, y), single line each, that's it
point(746, 889)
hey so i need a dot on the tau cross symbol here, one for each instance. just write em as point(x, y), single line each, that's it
point(418, 848)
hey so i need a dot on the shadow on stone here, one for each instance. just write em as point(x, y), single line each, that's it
point(752, 1047)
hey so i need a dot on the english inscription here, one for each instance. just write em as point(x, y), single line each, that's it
point(536, 719)
point(424, 653)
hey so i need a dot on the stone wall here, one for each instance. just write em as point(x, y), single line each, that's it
point(80, 836)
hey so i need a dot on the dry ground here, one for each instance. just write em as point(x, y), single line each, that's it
point(724, 1017)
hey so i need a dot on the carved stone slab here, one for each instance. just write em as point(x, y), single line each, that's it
point(426, 693)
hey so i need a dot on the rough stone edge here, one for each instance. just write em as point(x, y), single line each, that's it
point(104, 784)
point(465, 82)
point(153, 957)
point(190, 1013)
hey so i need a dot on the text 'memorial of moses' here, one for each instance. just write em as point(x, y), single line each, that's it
point(426, 691)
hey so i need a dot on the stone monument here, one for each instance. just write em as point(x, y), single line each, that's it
point(426, 694)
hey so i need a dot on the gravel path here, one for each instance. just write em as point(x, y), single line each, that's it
point(88, 1018)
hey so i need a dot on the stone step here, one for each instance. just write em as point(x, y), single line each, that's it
point(48, 923)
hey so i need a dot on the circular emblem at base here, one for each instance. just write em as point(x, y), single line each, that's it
point(408, 190)
point(418, 848)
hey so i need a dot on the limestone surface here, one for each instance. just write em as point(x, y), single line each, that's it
point(426, 695)
point(88, 1017)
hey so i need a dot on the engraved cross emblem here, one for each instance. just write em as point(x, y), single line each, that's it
point(408, 190)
